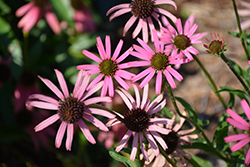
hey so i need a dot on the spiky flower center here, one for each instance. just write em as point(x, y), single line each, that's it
point(136, 120)
point(5, 72)
point(108, 67)
point(171, 140)
point(70, 110)
point(181, 42)
point(215, 46)
point(159, 61)
point(142, 8)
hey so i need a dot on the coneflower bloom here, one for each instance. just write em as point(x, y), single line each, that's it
point(216, 45)
point(140, 122)
point(240, 123)
point(158, 61)
point(108, 67)
point(182, 39)
point(32, 13)
point(71, 108)
point(144, 11)
point(175, 139)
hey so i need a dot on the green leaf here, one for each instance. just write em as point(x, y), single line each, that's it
point(231, 100)
point(202, 162)
point(5, 26)
point(237, 92)
point(4, 9)
point(121, 158)
point(235, 34)
point(199, 145)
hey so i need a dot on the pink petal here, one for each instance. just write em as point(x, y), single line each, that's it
point(117, 7)
point(162, 121)
point(145, 46)
point(53, 22)
point(44, 98)
point(179, 26)
point(186, 27)
point(158, 108)
point(134, 147)
point(192, 30)
point(117, 50)
point(95, 100)
point(95, 122)
point(124, 55)
point(144, 96)
point(142, 56)
point(119, 13)
point(124, 141)
point(139, 63)
point(124, 74)
point(78, 83)
point(240, 144)
point(237, 124)
point(108, 47)
point(30, 19)
point(137, 29)
point(86, 132)
point(142, 74)
point(154, 127)
point(247, 159)
point(129, 23)
point(104, 88)
point(170, 79)
point(87, 67)
point(166, 13)
point(125, 99)
point(24, 9)
point(235, 137)
point(47, 122)
point(121, 82)
point(246, 108)
point(147, 78)
point(144, 152)
point(151, 27)
point(158, 82)
point(100, 48)
point(159, 139)
point(154, 102)
point(160, 2)
point(70, 132)
point(92, 90)
point(156, 41)
point(137, 95)
point(129, 96)
point(237, 118)
point(145, 31)
point(43, 105)
point(174, 73)
point(82, 87)
point(152, 143)
point(111, 86)
point(100, 112)
point(95, 81)
point(62, 83)
point(52, 87)
point(91, 56)
point(60, 134)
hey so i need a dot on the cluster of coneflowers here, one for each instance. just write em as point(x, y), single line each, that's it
point(173, 46)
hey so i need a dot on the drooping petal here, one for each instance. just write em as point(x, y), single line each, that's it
point(124, 141)
point(159, 139)
point(52, 21)
point(86, 132)
point(47, 122)
point(154, 127)
point(95, 122)
point(137, 29)
point(165, 121)
point(125, 99)
point(158, 82)
point(145, 31)
point(166, 13)
point(246, 108)
point(157, 108)
point(137, 96)
point(247, 159)
point(144, 97)
point(60, 134)
point(240, 144)
point(170, 79)
point(121, 82)
point(44, 98)
point(119, 13)
point(111, 86)
point(129, 23)
point(154, 102)
point(24, 9)
point(100, 112)
point(134, 147)
point(144, 152)
point(43, 105)
point(70, 133)
point(152, 143)
point(117, 7)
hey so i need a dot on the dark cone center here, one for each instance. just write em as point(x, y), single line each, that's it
point(181, 42)
point(70, 110)
point(136, 120)
point(171, 140)
point(159, 61)
point(108, 67)
point(215, 46)
point(142, 8)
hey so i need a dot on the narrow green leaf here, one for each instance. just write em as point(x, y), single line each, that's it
point(5, 26)
point(121, 158)
point(235, 34)
point(237, 92)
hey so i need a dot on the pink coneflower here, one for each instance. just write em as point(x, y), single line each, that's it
point(32, 13)
point(244, 12)
point(216, 45)
point(108, 66)
point(139, 121)
point(71, 108)
point(144, 11)
point(82, 17)
point(158, 62)
point(181, 40)
point(175, 139)
point(240, 123)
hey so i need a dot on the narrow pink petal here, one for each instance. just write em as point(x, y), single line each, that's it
point(30, 19)
point(237, 118)
point(137, 96)
point(62, 83)
point(125, 99)
point(142, 74)
point(82, 87)
point(124, 141)
point(185, 132)
point(147, 78)
point(70, 133)
point(44, 98)
point(95, 122)
point(139, 63)
point(187, 54)
point(247, 159)
point(237, 124)
point(192, 50)
point(197, 36)
point(154, 127)
point(121, 82)
point(78, 83)
point(52, 87)
point(129, 96)
point(95, 81)
point(144, 152)
point(87, 67)
point(186, 27)
point(192, 30)
point(166, 13)
point(144, 96)
point(43, 105)
point(91, 56)
point(160, 2)
point(158, 82)
point(113, 122)
point(53, 22)
point(60, 134)
point(124, 55)
point(156, 41)
point(111, 86)
point(92, 90)
point(137, 29)
point(119, 13)
point(24, 9)
point(178, 125)
point(246, 108)
point(162, 121)
point(104, 88)
point(145, 46)
point(145, 31)
point(235, 137)
point(159, 139)
point(240, 144)
point(129, 23)
point(124, 65)
point(124, 74)
point(117, 50)
point(47, 122)
point(174, 73)
point(108, 46)
point(154, 102)
point(95, 100)
point(157, 108)
point(86, 132)
point(143, 56)
point(134, 147)
point(100, 112)
point(170, 79)
point(152, 143)
point(100, 48)
point(117, 7)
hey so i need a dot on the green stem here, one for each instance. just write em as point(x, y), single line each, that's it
point(166, 157)
point(214, 87)
point(230, 65)
point(195, 124)
point(240, 30)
